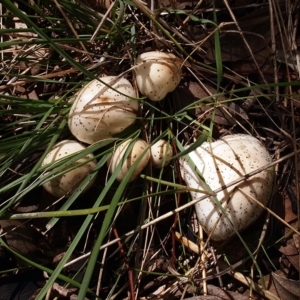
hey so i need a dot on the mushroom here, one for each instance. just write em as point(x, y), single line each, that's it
point(67, 183)
point(99, 111)
point(157, 73)
point(161, 154)
point(220, 163)
point(136, 151)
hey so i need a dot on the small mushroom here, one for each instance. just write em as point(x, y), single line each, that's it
point(161, 154)
point(136, 151)
point(220, 163)
point(157, 73)
point(67, 183)
point(99, 111)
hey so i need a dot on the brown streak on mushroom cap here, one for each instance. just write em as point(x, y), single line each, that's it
point(99, 112)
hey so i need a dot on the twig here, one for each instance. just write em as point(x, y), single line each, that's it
point(230, 270)
point(203, 260)
point(249, 282)
point(270, 211)
point(102, 21)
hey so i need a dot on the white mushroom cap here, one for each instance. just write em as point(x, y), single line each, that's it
point(157, 73)
point(220, 163)
point(109, 113)
point(67, 183)
point(118, 156)
point(161, 153)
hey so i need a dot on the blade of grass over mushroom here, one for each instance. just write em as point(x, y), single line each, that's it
point(27, 144)
point(217, 202)
point(78, 191)
point(13, 157)
point(64, 181)
point(81, 231)
point(194, 146)
point(56, 166)
point(39, 136)
point(39, 128)
point(179, 188)
point(59, 168)
point(109, 215)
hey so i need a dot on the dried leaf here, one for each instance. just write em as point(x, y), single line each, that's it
point(207, 297)
point(97, 5)
point(290, 59)
point(287, 289)
point(22, 238)
point(22, 285)
point(225, 114)
point(234, 48)
point(230, 296)
point(20, 25)
point(291, 253)
point(296, 240)
point(178, 4)
point(256, 31)
point(225, 295)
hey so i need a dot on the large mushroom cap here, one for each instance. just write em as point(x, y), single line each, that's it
point(157, 73)
point(67, 183)
point(220, 163)
point(99, 112)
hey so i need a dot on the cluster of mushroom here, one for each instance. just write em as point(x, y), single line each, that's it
point(107, 106)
